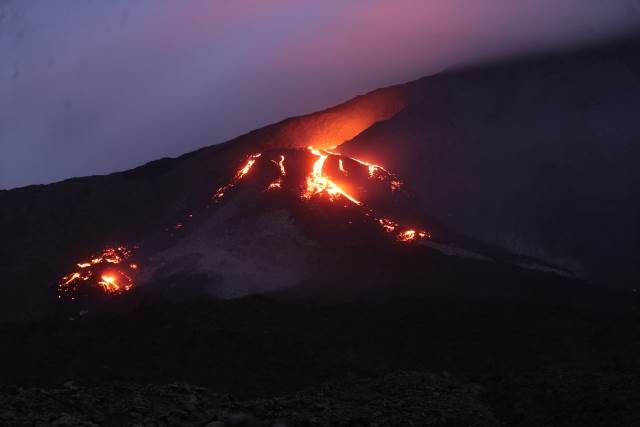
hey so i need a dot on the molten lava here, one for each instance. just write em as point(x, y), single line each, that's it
point(319, 183)
point(283, 172)
point(111, 271)
point(341, 166)
point(106, 271)
point(375, 171)
point(388, 225)
point(280, 165)
point(409, 235)
point(239, 175)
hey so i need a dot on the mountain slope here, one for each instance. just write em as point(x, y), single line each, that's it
point(48, 225)
point(536, 155)
point(539, 155)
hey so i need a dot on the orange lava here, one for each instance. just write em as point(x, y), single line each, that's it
point(409, 235)
point(113, 273)
point(341, 166)
point(105, 270)
point(395, 184)
point(245, 170)
point(115, 282)
point(374, 171)
point(280, 165)
point(283, 172)
point(239, 175)
point(318, 183)
point(275, 184)
point(388, 225)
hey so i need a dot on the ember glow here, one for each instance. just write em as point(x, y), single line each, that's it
point(275, 184)
point(409, 235)
point(388, 225)
point(106, 271)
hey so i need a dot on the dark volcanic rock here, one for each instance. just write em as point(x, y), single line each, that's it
point(405, 398)
point(538, 155)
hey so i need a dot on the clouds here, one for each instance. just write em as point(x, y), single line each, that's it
point(92, 87)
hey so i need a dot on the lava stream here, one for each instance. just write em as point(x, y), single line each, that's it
point(239, 175)
point(112, 273)
point(283, 172)
point(318, 183)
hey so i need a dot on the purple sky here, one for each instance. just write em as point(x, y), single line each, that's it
point(90, 87)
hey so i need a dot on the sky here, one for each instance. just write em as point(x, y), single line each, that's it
point(92, 87)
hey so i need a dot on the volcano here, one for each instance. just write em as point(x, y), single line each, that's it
point(463, 223)
point(286, 195)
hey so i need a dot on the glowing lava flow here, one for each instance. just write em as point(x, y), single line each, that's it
point(278, 182)
point(409, 235)
point(106, 270)
point(375, 171)
point(318, 183)
point(280, 165)
point(112, 272)
point(239, 175)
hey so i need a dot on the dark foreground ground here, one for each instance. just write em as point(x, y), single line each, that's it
point(430, 359)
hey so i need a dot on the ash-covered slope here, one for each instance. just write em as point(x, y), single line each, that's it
point(538, 155)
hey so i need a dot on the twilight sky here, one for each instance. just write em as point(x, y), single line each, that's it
point(93, 86)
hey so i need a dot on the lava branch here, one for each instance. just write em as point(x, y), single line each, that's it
point(238, 176)
point(317, 183)
point(283, 172)
point(375, 171)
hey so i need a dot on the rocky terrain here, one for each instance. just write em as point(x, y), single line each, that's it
point(405, 398)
